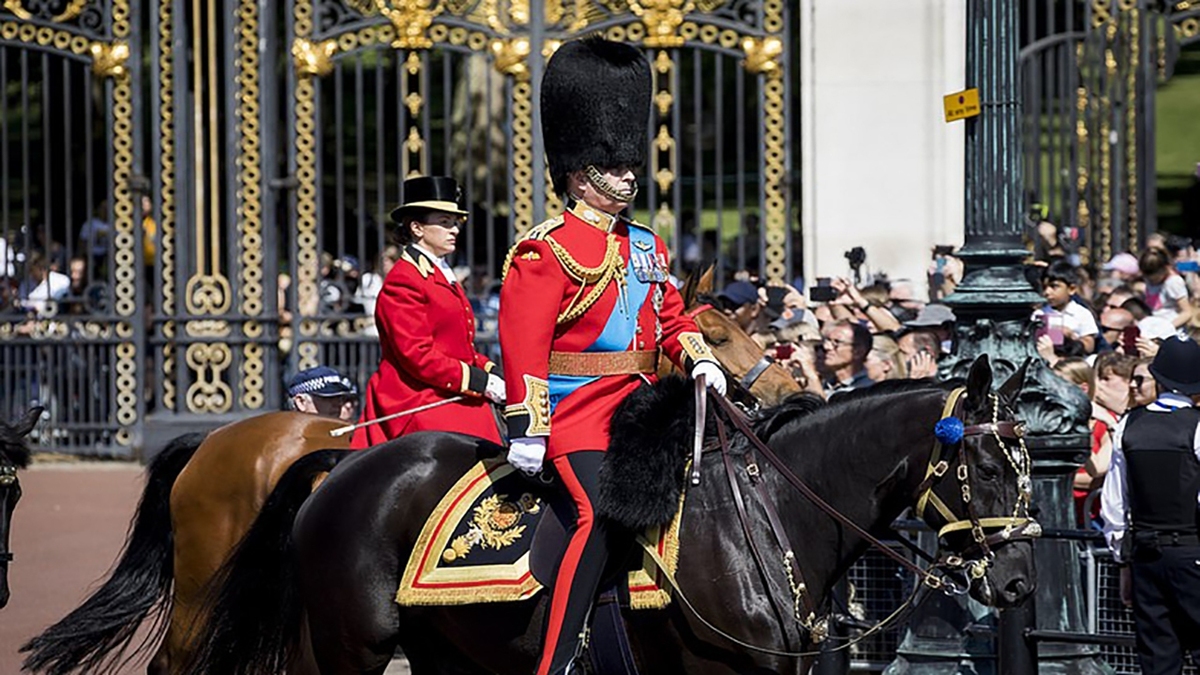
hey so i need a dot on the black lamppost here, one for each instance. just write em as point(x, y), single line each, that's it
point(994, 305)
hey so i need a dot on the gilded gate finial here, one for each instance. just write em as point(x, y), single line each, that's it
point(411, 19)
point(314, 58)
point(512, 57)
point(662, 19)
point(762, 54)
point(108, 59)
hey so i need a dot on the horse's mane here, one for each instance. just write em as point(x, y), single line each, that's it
point(770, 421)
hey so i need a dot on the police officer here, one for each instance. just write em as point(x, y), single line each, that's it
point(585, 305)
point(1151, 509)
point(323, 391)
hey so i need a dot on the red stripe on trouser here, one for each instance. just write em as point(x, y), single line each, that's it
point(566, 571)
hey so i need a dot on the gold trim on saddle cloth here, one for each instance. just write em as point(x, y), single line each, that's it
point(590, 364)
point(651, 592)
point(495, 523)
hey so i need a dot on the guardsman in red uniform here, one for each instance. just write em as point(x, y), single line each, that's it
point(585, 306)
point(427, 330)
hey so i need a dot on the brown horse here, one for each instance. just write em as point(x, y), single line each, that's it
point(738, 353)
point(202, 494)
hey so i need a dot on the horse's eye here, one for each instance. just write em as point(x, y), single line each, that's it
point(989, 472)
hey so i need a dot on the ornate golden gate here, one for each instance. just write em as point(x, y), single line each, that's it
point(383, 89)
point(220, 171)
point(70, 334)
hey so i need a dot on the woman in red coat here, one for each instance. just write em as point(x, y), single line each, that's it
point(427, 330)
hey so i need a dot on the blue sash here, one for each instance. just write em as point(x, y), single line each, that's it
point(621, 327)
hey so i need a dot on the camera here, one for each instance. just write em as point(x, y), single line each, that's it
point(856, 256)
point(823, 291)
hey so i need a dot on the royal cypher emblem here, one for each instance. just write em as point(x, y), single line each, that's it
point(495, 525)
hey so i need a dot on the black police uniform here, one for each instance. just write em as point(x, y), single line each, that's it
point(1162, 482)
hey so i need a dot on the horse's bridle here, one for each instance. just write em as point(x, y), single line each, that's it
point(751, 376)
point(1017, 526)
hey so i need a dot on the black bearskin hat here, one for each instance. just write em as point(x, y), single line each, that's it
point(595, 107)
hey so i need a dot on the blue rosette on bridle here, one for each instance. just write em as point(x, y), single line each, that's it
point(949, 430)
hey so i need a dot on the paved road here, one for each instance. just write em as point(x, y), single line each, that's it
point(67, 532)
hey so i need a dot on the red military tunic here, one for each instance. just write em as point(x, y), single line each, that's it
point(585, 305)
point(427, 333)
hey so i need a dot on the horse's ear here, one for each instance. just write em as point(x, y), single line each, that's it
point(697, 285)
point(689, 290)
point(979, 382)
point(27, 422)
point(1011, 389)
point(705, 285)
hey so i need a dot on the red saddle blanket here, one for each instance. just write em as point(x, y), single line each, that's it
point(475, 546)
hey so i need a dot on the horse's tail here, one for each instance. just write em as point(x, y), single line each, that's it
point(256, 613)
point(96, 634)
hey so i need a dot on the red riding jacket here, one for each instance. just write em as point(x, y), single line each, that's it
point(427, 333)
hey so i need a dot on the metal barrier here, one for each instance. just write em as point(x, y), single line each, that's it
point(878, 586)
point(1107, 615)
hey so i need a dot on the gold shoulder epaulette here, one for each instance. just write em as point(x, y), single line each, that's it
point(536, 233)
point(540, 231)
point(635, 223)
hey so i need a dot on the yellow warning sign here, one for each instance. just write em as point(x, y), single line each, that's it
point(962, 105)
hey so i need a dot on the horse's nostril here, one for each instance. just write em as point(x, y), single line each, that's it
point(1016, 588)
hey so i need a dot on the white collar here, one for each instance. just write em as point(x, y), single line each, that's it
point(1170, 400)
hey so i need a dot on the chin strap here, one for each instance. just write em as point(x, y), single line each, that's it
point(606, 188)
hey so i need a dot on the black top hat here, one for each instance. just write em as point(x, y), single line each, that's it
point(595, 107)
point(429, 193)
point(1177, 366)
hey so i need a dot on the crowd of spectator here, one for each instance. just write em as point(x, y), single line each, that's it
point(1098, 328)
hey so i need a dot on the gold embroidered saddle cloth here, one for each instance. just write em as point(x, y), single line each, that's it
point(478, 545)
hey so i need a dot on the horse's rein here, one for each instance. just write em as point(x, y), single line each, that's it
point(817, 627)
point(739, 421)
point(1014, 527)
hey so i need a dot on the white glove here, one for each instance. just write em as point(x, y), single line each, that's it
point(526, 454)
point(494, 391)
point(713, 375)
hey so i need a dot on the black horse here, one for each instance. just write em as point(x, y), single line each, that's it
point(332, 561)
point(13, 455)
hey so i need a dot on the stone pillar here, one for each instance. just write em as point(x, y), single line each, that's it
point(993, 305)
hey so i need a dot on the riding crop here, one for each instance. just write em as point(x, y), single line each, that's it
point(342, 431)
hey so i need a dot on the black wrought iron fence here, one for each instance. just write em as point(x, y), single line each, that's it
point(1108, 615)
point(878, 586)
